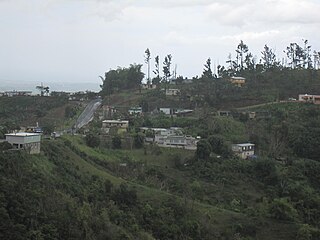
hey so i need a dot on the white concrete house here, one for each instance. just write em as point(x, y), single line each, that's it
point(243, 150)
point(27, 141)
point(115, 123)
point(135, 111)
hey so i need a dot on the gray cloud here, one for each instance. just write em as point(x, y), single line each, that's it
point(76, 40)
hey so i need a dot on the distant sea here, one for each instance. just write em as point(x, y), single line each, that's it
point(53, 86)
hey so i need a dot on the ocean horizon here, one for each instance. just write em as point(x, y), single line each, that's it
point(53, 86)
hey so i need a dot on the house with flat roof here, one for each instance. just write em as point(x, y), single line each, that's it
point(29, 142)
point(243, 150)
point(172, 137)
point(115, 123)
point(119, 125)
point(238, 81)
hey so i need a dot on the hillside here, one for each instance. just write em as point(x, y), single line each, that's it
point(93, 195)
point(51, 113)
point(94, 187)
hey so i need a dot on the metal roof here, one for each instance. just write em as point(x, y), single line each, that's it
point(22, 134)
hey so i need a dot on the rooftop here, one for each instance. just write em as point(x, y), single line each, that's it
point(22, 134)
point(115, 121)
point(238, 78)
point(244, 144)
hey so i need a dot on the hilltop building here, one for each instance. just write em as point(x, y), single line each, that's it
point(23, 140)
point(243, 150)
point(172, 137)
point(120, 125)
point(238, 81)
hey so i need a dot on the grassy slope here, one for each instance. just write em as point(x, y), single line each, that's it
point(215, 214)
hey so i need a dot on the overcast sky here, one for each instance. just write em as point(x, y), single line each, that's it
point(78, 40)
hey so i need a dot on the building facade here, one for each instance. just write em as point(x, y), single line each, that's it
point(243, 150)
point(115, 123)
point(238, 81)
point(30, 142)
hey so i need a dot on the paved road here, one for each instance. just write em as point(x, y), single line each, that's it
point(88, 113)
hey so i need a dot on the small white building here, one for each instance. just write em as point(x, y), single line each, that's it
point(167, 111)
point(27, 141)
point(135, 111)
point(243, 150)
point(115, 123)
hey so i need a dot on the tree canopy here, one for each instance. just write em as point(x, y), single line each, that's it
point(121, 78)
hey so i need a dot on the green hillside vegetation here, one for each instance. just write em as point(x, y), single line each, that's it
point(51, 113)
point(97, 186)
point(152, 193)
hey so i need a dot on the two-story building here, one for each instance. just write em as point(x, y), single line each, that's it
point(23, 140)
point(243, 150)
point(173, 137)
point(119, 125)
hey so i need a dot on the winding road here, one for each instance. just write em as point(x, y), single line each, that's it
point(88, 113)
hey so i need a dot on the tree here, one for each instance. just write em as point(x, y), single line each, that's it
point(306, 56)
point(156, 71)
point(147, 61)
point(250, 62)
point(241, 50)
point(295, 54)
point(316, 60)
point(216, 143)
point(282, 209)
point(207, 72)
point(231, 67)
point(125, 196)
point(121, 78)
point(116, 142)
point(92, 140)
point(43, 89)
point(166, 67)
point(203, 149)
point(134, 76)
point(46, 90)
point(138, 140)
point(268, 58)
point(5, 146)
